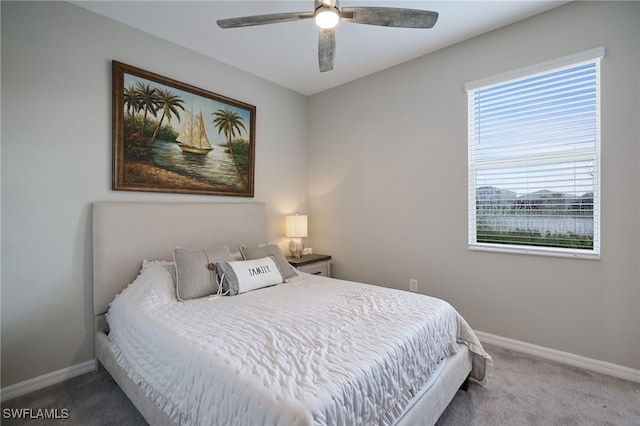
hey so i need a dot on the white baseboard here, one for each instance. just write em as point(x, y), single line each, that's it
point(41, 382)
point(567, 358)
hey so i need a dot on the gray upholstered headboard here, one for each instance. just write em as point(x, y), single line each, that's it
point(125, 233)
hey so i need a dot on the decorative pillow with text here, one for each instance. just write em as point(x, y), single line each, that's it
point(246, 275)
point(286, 270)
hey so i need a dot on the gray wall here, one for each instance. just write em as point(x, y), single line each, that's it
point(388, 187)
point(56, 160)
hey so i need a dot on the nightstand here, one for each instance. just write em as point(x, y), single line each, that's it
point(316, 264)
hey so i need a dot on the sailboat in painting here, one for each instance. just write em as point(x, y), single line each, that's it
point(193, 136)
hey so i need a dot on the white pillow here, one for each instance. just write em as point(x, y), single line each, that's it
point(169, 266)
point(246, 275)
point(286, 270)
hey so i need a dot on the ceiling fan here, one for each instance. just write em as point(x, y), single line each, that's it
point(327, 14)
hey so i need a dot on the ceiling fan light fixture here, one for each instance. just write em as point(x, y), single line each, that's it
point(327, 17)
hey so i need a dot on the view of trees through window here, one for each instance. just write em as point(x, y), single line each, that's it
point(542, 218)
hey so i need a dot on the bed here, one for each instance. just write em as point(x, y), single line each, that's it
point(125, 234)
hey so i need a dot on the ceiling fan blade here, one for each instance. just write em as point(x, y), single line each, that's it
point(390, 17)
point(247, 21)
point(326, 49)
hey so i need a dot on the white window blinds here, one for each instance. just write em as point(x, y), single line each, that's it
point(534, 157)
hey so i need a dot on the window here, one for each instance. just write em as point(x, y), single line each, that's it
point(534, 159)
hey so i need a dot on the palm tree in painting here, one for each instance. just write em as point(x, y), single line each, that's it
point(148, 100)
point(230, 124)
point(131, 101)
point(132, 106)
point(169, 103)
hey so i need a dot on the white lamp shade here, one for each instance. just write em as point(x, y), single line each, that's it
point(296, 226)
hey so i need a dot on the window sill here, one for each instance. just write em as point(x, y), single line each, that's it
point(538, 251)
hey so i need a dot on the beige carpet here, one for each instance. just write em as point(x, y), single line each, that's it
point(522, 390)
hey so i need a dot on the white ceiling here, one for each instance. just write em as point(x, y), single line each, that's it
point(286, 53)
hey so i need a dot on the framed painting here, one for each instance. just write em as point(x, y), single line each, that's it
point(172, 137)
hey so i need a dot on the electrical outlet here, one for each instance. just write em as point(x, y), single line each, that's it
point(413, 285)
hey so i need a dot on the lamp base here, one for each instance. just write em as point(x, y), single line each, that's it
point(295, 247)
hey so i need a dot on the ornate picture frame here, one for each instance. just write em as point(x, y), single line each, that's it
point(172, 137)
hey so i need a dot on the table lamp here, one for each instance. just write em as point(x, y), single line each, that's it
point(296, 228)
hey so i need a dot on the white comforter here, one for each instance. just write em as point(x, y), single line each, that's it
point(311, 351)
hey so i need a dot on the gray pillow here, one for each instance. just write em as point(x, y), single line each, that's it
point(195, 271)
point(286, 270)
